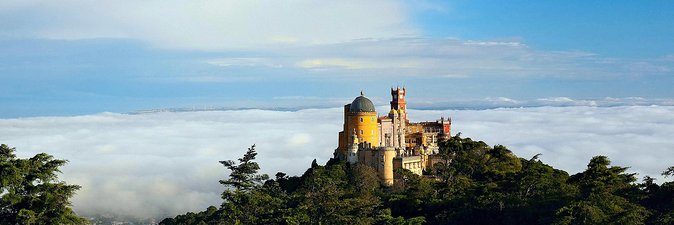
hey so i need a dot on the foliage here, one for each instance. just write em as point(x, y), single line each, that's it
point(30, 192)
point(601, 198)
point(471, 183)
point(659, 199)
point(244, 175)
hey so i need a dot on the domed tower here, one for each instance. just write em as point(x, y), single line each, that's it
point(360, 118)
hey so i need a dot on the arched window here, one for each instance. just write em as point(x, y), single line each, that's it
point(361, 119)
point(361, 131)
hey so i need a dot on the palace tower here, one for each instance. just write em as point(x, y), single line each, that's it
point(390, 141)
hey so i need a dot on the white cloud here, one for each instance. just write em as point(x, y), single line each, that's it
point(494, 43)
point(300, 139)
point(341, 38)
point(208, 24)
point(166, 163)
point(414, 56)
point(227, 62)
point(640, 137)
point(343, 63)
point(502, 101)
point(556, 99)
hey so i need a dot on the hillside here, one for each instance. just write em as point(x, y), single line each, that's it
point(476, 184)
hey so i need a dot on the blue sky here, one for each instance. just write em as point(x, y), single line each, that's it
point(79, 57)
point(617, 28)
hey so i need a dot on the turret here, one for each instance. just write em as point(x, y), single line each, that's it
point(388, 153)
point(398, 100)
point(352, 152)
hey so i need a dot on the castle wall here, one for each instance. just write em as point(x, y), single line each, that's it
point(381, 159)
point(411, 163)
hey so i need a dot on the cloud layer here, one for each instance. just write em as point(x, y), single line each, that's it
point(206, 25)
point(640, 137)
point(161, 164)
point(416, 57)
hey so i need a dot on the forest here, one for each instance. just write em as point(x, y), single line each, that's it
point(473, 183)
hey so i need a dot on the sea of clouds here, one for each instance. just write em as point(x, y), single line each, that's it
point(166, 163)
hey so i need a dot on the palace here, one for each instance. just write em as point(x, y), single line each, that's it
point(388, 142)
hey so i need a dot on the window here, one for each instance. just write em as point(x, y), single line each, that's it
point(372, 132)
point(361, 131)
point(372, 119)
point(361, 119)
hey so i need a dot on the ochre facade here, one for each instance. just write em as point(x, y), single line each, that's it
point(388, 142)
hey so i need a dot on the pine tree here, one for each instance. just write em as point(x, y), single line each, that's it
point(601, 197)
point(30, 192)
point(244, 175)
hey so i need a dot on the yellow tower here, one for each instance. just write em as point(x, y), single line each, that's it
point(387, 154)
point(360, 118)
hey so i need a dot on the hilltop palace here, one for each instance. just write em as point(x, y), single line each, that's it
point(388, 142)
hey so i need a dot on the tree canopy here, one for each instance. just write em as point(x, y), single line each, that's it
point(472, 183)
point(30, 192)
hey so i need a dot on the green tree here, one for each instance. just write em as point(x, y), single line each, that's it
point(30, 192)
point(601, 198)
point(243, 176)
point(250, 201)
point(535, 193)
point(410, 194)
point(659, 199)
point(210, 216)
point(339, 193)
point(473, 183)
point(668, 172)
point(479, 184)
point(364, 179)
point(324, 196)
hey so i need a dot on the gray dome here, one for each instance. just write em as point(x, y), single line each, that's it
point(361, 104)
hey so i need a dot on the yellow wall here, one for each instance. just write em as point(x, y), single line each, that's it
point(368, 126)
